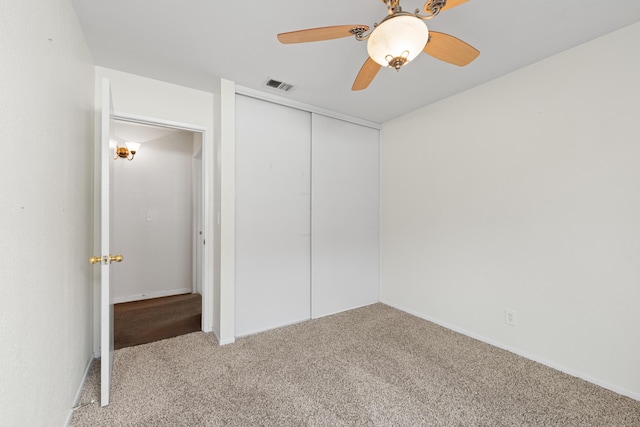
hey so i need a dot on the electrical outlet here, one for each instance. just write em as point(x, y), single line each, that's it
point(510, 317)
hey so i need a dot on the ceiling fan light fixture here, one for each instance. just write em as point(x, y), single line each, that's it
point(397, 40)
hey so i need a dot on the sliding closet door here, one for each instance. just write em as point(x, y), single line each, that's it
point(272, 215)
point(345, 216)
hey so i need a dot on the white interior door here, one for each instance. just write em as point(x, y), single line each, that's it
point(346, 216)
point(106, 301)
point(273, 209)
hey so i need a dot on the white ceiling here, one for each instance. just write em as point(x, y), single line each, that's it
point(193, 42)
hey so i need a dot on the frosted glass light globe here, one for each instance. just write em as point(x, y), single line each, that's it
point(401, 36)
point(133, 146)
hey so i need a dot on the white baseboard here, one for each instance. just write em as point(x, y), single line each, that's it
point(573, 373)
point(316, 316)
point(280, 325)
point(76, 399)
point(158, 294)
point(217, 335)
point(227, 341)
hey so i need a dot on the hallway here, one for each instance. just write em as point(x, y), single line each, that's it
point(145, 321)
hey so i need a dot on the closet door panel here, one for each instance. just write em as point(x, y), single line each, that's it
point(272, 215)
point(345, 216)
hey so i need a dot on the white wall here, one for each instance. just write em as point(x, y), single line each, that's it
point(225, 194)
point(141, 96)
point(46, 105)
point(153, 219)
point(524, 194)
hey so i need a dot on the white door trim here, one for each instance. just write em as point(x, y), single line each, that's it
point(207, 202)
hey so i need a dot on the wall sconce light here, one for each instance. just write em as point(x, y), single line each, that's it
point(128, 152)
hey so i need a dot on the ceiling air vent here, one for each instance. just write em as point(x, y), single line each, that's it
point(286, 87)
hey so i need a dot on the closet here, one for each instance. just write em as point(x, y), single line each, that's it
point(307, 215)
point(345, 189)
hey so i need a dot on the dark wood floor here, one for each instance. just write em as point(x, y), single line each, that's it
point(141, 322)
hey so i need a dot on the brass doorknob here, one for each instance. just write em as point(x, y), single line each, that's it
point(115, 258)
point(95, 260)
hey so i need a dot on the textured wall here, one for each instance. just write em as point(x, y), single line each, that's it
point(46, 175)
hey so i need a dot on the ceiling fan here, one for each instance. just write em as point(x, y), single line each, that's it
point(396, 40)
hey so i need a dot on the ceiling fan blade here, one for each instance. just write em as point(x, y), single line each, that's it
point(453, 3)
point(450, 49)
point(366, 74)
point(448, 5)
point(322, 33)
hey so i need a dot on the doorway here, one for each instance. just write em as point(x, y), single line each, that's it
point(157, 199)
point(155, 319)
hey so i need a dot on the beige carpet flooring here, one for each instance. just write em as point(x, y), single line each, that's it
point(374, 366)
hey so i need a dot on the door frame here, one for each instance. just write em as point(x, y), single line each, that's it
point(197, 209)
point(207, 205)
